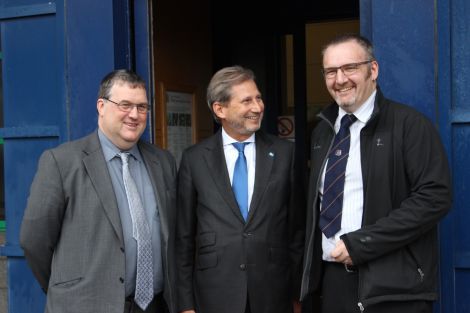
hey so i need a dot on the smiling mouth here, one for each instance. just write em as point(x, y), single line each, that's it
point(131, 125)
point(345, 89)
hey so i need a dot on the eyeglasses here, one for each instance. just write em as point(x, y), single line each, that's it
point(347, 69)
point(128, 107)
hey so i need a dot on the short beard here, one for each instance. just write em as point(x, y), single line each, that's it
point(243, 130)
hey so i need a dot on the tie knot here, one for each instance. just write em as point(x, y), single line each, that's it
point(240, 146)
point(347, 120)
point(124, 157)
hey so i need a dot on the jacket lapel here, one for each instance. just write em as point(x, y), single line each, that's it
point(215, 159)
point(264, 163)
point(155, 171)
point(97, 169)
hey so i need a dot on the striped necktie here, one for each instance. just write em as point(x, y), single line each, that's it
point(333, 187)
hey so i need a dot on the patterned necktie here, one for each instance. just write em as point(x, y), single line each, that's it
point(141, 233)
point(240, 179)
point(333, 187)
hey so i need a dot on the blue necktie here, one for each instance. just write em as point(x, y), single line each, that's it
point(240, 179)
point(333, 187)
point(141, 232)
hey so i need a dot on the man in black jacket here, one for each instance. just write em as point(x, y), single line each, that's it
point(378, 252)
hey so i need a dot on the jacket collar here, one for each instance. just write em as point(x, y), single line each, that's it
point(330, 113)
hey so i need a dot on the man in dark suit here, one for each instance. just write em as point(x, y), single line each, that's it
point(238, 255)
point(79, 228)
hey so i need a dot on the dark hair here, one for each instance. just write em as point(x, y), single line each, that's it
point(362, 41)
point(220, 86)
point(122, 75)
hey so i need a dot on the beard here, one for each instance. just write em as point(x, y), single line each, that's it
point(244, 128)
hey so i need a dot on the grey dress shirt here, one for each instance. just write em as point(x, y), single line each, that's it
point(139, 173)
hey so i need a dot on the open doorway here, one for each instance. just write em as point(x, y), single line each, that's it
point(280, 42)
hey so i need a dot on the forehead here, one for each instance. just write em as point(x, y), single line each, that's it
point(343, 53)
point(244, 89)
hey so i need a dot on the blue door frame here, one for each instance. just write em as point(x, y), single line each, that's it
point(54, 56)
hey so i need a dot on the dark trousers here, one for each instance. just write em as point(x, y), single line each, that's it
point(247, 308)
point(158, 305)
point(340, 295)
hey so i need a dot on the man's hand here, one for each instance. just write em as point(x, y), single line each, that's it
point(297, 307)
point(188, 311)
point(341, 254)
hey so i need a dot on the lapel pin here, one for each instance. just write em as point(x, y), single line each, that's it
point(271, 154)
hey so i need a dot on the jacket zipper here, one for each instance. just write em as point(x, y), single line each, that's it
point(309, 252)
point(418, 266)
point(421, 273)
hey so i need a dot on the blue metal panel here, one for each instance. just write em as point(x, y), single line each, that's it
point(403, 35)
point(454, 70)
point(447, 298)
point(423, 47)
point(462, 288)
point(89, 44)
point(29, 72)
point(142, 54)
point(461, 169)
point(460, 36)
point(32, 120)
point(26, 296)
point(27, 10)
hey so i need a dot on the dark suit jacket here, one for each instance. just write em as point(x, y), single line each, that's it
point(71, 232)
point(221, 259)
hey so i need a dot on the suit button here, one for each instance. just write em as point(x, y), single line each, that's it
point(121, 280)
point(122, 249)
point(243, 267)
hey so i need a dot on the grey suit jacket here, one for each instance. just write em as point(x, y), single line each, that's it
point(221, 259)
point(71, 232)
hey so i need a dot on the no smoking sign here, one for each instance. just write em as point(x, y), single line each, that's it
point(286, 126)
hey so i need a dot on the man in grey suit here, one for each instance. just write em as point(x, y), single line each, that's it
point(78, 231)
point(230, 260)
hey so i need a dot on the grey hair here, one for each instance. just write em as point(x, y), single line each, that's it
point(220, 86)
point(362, 41)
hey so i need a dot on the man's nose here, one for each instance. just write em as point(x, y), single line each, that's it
point(257, 105)
point(340, 76)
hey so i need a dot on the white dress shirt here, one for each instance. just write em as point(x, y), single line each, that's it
point(353, 199)
point(231, 156)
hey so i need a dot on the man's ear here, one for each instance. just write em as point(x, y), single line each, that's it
point(219, 109)
point(99, 105)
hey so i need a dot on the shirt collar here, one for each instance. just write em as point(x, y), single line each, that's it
point(364, 112)
point(227, 140)
point(110, 150)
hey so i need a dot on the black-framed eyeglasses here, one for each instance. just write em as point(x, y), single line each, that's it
point(127, 106)
point(347, 69)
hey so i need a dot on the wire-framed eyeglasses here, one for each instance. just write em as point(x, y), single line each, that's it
point(127, 107)
point(347, 69)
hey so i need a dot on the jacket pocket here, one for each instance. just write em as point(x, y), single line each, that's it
point(206, 240)
point(67, 283)
point(393, 276)
point(206, 260)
